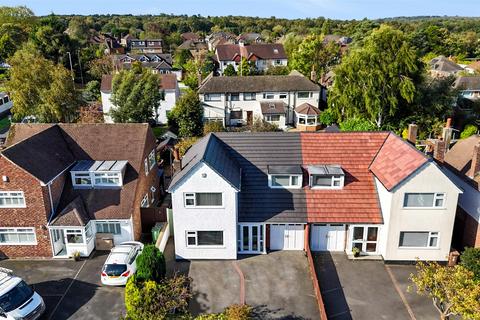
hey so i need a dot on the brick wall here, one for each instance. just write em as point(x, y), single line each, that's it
point(34, 215)
point(466, 231)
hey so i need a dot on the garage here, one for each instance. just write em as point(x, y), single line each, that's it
point(289, 236)
point(328, 237)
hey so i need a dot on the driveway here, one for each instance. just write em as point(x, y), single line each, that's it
point(366, 289)
point(71, 290)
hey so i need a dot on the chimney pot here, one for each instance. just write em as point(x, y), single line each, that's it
point(449, 123)
point(475, 166)
point(412, 133)
point(439, 151)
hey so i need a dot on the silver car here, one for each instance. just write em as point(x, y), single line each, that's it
point(121, 263)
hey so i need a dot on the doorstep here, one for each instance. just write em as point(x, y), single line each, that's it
point(366, 258)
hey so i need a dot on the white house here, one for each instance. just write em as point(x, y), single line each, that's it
point(251, 193)
point(168, 87)
point(5, 102)
point(238, 100)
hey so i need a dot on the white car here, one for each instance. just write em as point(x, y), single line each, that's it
point(121, 263)
point(17, 299)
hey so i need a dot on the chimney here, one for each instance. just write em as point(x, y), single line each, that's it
point(412, 133)
point(313, 74)
point(439, 150)
point(176, 154)
point(475, 166)
point(199, 77)
point(447, 133)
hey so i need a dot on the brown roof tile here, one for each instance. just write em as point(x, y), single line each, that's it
point(308, 109)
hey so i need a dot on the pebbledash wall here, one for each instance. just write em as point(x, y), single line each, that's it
point(35, 200)
point(204, 179)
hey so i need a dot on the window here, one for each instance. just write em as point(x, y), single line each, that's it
point(88, 232)
point(203, 199)
point(304, 94)
point(235, 97)
point(311, 121)
point(285, 181)
point(272, 118)
point(204, 238)
point(150, 161)
point(108, 227)
point(74, 236)
point(236, 114)
point(12, 199)
point(416, 239)
point(278, 61)
point(326, 181)
point(213, 97)
point(81, 179)
point(365, 238)
point(21, 236)
point(107, 179)
point(268, 95)
point(144, 203)
point(6, 99)
point(248, 96)
point(283, 95)
point(424, 200)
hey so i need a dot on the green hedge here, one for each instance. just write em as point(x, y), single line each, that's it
point(151, 264)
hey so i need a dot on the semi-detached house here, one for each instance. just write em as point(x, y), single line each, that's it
point(61, 184)
point(250, 193)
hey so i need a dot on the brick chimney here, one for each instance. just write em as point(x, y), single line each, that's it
point(313, 74)
point(412, 133)
point(447, 133)
point(439, 150)
point(475, 166)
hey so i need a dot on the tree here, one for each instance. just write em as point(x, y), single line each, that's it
point(470, 259)
point(313, 53)
point(135, 96)
point(151, 264)
point(49, 95)
point(277, 71)
point(100, 66)
point(468, 131)
point(247, 68)
point(357, 124)
point(188, 115)
point(213, 126)
point(375, 80)
point(12, 37)
point(229, 71)
point(91, 113)
point(453, 290)
point(92, 91)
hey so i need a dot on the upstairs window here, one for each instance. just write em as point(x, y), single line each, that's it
point(285, 177)
point(282, 95)
point(213, 97)
point(91, 174)
point(304, 94)
point(234, 97)
point(326, 176)
point(107, 179)
point(82, 179)
point(249, 96)
point(268, 95)
point(12, 199)
point(203, 199)
point(424, 200)
point(150, 162)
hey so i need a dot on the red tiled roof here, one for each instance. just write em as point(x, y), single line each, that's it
point(357, 202)
point(395, 161)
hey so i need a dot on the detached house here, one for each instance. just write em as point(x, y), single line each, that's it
point(238, 100)
point(64, 183)
point(265, 55)
point(251, 193)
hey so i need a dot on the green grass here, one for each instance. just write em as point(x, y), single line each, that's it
point(4, 123)
point(159, 131)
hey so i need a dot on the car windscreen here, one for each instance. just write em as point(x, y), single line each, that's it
point(115, 269)
point(17, 296)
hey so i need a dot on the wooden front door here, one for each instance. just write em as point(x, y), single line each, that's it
point(249, 117)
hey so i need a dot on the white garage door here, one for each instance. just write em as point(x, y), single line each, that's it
point(328, 237)
point(287, 236)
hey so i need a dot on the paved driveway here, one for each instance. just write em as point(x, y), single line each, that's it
point(71, 290)
point(364, 289)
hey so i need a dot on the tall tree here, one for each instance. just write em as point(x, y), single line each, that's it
point(41, 88)
point(136, 96)
point(375, 80)
point(247, 68)
point(187, 115)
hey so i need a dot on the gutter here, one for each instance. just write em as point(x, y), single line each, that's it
point(52, 210)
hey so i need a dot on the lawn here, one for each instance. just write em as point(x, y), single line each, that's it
point(4, 123)
point(158, 131)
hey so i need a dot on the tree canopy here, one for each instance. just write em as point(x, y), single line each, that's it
point(187, 115)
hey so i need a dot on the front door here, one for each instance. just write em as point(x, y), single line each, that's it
point(287, 237)
point(249, 117)
point(365, 238)
point(58, 240)
point(251, 238)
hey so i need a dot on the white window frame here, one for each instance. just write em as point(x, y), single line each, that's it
point(150, 161)
point(282, 94)
point(18, 195)
point(268, 118)
point(16, 231)
point(290, 186)
point(431, 234)
point(193, 196)
point(334, 178)
point(105, 175)
point(266, 95)
point(144, 203)
point(194, 234)
point(309, 93)
point(81, 174)
point(213, 97)
point(252, 96)
point(75, 232)
point(436, 196)
point(364, 241)
point(109, 223)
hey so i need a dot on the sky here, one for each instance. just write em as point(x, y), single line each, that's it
point(338, 9)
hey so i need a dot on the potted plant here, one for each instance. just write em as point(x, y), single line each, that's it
point(76, 256)
point(356, 252)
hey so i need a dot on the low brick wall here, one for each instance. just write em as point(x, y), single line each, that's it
point(313, 275)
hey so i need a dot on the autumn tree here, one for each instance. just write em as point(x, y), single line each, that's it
point(91, 113)
point(453, 290)
point(375, 80)
point(135, 96)
point(49, 95)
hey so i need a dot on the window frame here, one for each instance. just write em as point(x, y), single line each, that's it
point(15, 230)
point(209, 96)
point(252, 96)
point(268, 118)
point(241, 116)
point(436, 196)
point(8, 195)
point(284, 94)
point(333, 178)
point(144, 203)
point(431, 235)
point(194, 235)
point(114, 223)
point(266, 95)
point(150, 162)
point(193, 196)
point(290, 186)
point(107, 175)
point(81, 174)
point(309, 94)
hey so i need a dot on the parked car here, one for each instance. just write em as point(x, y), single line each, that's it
point(121, 263)
point(17, 299)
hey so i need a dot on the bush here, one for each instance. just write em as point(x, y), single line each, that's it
point(151, 264)
point(357, 124)
point(184, 144)
point(326, 117)
point(470, 259)
point(238, 312)
point(214, 126)
point(468, 131)
point(259, 125)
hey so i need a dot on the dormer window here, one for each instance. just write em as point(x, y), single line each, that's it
point(98, 174)
point(326, 176)
point(285, 177)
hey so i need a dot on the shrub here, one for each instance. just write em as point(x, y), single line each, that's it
point(468, 131)
point(238, 312)
point(185, 144)
point(470, 259)
point(326, 117)
point(214, 126)
point(151, 264)
point(357, 124)
point(259, 125)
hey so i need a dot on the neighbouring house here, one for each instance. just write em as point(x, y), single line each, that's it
point(197, 49)
point(5, 102)
point(191, 36)
point(238, 100)
point(168, 87)
point(64, 183)
point(265, 55)
point(251, 193)
point(469, 87)
point(125, 40)
point(250, 37)
point(218, 38)
point(441, 67)
point(463, 163)
point(145, 45)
